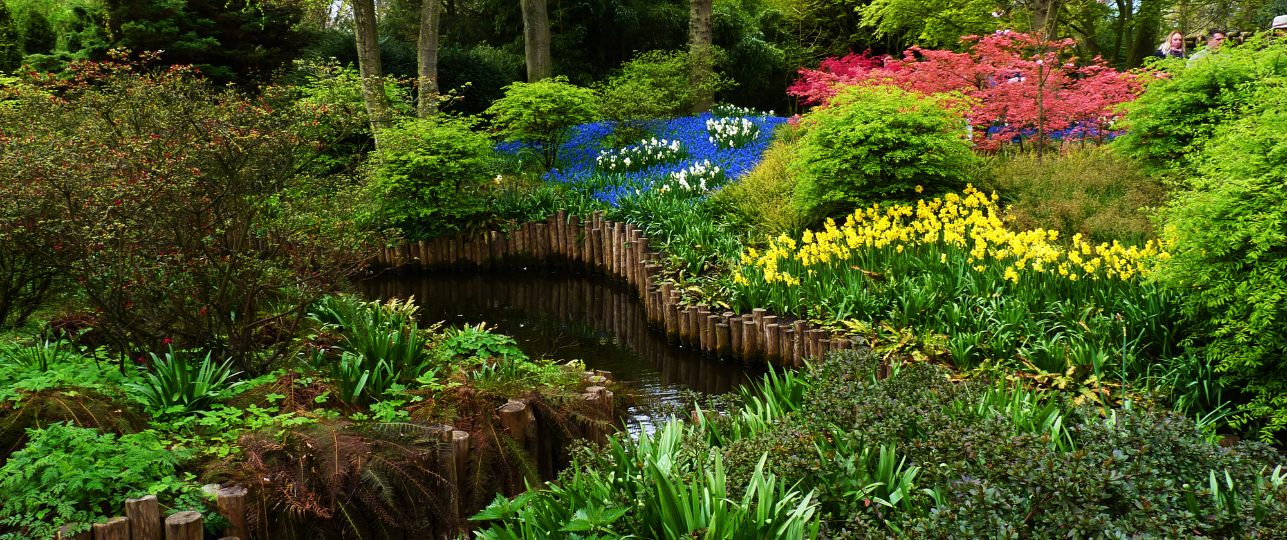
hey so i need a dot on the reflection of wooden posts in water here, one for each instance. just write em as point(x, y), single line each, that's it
point(620, 250)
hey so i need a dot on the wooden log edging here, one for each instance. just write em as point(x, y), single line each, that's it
point(621, 251)
point(143, 521)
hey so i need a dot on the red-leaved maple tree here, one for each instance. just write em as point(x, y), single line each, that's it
point(1020, 87)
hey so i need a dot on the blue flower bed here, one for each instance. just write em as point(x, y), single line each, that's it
point(579, 155)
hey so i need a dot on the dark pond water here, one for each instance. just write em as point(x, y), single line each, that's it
point(565, 317)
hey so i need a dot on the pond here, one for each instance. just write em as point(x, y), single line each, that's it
point(570, 316)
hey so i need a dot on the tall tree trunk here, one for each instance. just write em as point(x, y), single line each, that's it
point(536, 40)
point(368, 48)
point(1045, 17)
point(1148, 20)
point(427, 56)
point(699, 48)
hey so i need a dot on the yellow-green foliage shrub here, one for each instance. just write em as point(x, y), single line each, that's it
point(762, 198)
point(1097, 192)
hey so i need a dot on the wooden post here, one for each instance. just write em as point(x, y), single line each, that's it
point(184, 526)
point(561, 233)
point(231, 502)
point(797, 344)
point(145, 518)
point(117, 528)
point(787, 344)
point(815, 344)
point(672, 318)
point(685, 328)
point(771, 345)
point(702, 328)
point(723, 341)
point(600, 400)
point(750, 347)
point(735, 336)
point(712, 324)
point(517, 418)
point(447, 437)
point(841, 344)
point(460, 450)
point(694, 328)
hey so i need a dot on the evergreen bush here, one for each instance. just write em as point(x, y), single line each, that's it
point(881, 143)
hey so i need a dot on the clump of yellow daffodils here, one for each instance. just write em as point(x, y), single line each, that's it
point(945, 230)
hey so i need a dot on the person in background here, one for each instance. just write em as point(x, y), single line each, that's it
point(1279, 26)
point(1173, 47)
point(1213, 44)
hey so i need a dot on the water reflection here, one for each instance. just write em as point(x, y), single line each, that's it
point(564, 317)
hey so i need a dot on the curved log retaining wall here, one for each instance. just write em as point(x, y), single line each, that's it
point(621, 250)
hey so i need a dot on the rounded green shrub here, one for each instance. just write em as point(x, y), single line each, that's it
point(881, 143)
point(540, 114)
point(432, 173)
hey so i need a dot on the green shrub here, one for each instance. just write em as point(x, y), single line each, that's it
point(431, 174)
point(762, 197)
point(539, 114)
point(880, 143)
point(1176, 116)
point(76, 475)
point(1094, 191)
point(1228, 243)
point(10, 40)
point(40, 37)
point(652, 85)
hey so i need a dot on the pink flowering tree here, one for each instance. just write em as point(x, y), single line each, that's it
point(1019, 86)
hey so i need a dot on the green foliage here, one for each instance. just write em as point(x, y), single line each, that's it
point(878, 143)
point(652, 85)
point(657, 487)
point(11, 41)
point(762, 198)
point(181, 384)
point(1228, 233)
point(39, 36)
point(1178, 115)
point(935, 24)
point(30, 369)
point(242, 42)
point(431, 174)
point(169, 230)
point(1094, 191)
point(381, 348)
point(470, 341)
point(540, 114)
point(76, 475)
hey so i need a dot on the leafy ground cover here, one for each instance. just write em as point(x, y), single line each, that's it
point(836, 452)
